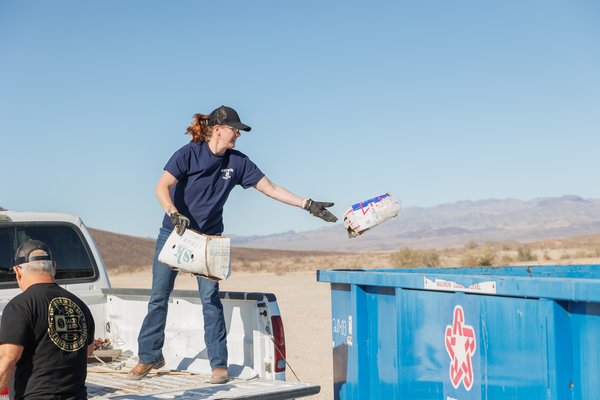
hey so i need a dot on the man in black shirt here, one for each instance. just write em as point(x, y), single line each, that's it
point(46, 332)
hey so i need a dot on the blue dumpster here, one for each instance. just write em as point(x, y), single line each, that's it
point(466, 333)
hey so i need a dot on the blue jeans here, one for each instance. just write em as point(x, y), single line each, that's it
point(152, 333)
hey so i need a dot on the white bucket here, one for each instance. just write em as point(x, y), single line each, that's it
point(204, 255)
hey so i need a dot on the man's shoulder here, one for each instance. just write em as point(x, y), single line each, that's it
point(35, 291)
point(53, 292)
point(39, 288)
point(19, 299)
point(62, 292)
point(23, 303)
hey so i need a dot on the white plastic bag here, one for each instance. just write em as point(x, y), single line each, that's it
point(207, 256)
point(367, 214)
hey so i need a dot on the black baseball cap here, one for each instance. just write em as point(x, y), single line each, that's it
point(227, 116)
point(32, 250)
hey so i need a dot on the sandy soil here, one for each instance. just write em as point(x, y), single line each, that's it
point(305, 307)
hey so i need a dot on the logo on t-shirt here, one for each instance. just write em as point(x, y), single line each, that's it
point(67, 326)
point(228, 172)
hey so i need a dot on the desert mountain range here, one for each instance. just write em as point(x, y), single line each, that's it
point(450, 225)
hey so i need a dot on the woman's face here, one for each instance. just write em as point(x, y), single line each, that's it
point(229, 135)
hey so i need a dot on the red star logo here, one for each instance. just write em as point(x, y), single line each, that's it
point(460, 344)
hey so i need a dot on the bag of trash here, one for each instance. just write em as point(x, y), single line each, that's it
point(367, 214)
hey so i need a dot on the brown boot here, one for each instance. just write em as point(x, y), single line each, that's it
point(219, 375)
point(141, 370)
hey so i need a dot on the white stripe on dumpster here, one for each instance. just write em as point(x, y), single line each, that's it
point(488, 287)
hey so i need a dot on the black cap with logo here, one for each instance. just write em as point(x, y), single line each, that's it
point(32, 250)
point(227, 116)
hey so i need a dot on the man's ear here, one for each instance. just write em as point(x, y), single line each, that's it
point(18, 273)
point(53, 268)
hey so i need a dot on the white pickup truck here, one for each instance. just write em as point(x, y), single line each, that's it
point(255, 337)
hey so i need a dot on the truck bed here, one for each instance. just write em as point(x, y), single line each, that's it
point(186, 374)
point(165, 384)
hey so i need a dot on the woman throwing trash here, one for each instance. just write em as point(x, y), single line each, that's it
point(192, 191)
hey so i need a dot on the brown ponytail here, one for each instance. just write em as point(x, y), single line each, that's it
point(199, 129)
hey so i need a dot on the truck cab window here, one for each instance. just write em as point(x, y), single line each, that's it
point(73, 261)
point(5, 254)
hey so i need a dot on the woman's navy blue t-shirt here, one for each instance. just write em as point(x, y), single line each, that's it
point(204, 181)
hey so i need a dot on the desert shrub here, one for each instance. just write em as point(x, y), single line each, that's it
point(483, 257)
point(416, 258)
point(524, 253)
point(470, 245)
point(585, 254)
point(243, 266)
point(507, 259)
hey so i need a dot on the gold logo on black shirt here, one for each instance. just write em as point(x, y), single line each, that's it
point(67, 326)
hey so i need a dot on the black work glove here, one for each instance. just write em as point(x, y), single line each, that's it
point(180, 222)
point(318, 209)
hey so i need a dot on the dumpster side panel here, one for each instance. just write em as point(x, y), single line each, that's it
point(454, 345)
point(380, 342)
point(344, 373)
point(350, 362)
point(421, 344)
point(585, 325)
point(364, 353)
point(522, 333)
point(514, 346)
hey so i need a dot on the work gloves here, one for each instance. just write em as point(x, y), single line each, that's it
point(180, 222)
point(319, 209)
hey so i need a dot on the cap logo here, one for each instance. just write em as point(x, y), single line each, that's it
point(218, 116)
point(222, 115)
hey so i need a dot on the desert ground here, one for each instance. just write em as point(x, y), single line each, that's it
point(304, 305)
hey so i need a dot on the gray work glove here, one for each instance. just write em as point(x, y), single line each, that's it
point(318, 209)
point(180, 222)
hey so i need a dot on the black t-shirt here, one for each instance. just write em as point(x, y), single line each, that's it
point(54, 327)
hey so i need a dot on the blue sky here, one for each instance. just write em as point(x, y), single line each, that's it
point(432, 101)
